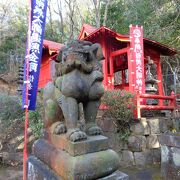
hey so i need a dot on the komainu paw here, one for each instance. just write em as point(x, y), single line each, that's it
point(94, 130)
point(60, 128)
point(76, 135)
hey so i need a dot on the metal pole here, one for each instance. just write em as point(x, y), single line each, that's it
point(25, 154)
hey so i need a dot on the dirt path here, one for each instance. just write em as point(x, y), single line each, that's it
point(11, 146)
point(11, 173)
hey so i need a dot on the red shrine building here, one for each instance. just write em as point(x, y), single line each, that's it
point(118, 67)
point(47, 71)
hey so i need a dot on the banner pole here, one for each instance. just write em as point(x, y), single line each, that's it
point(36, 26)
point(25, 153)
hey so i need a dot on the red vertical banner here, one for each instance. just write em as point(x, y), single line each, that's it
point(137, 59)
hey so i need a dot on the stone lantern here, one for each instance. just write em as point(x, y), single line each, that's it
point(151, 82)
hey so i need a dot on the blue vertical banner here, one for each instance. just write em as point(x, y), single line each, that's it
point(34, 53)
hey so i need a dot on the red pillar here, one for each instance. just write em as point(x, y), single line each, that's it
point(111, 71)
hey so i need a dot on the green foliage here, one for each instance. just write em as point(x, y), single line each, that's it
point(10, 108)
point(52, 32)
point(120, 108)
point(160, 19)
point(35, 120)
point(116, 19)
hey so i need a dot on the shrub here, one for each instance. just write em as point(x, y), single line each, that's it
point(10, 108)
point(120, 108)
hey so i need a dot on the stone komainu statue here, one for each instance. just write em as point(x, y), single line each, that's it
point(79, 80)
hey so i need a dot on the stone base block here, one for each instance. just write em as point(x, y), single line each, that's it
point(83, 167)
point(90, 145)
point(37, 170)
point(118, 175)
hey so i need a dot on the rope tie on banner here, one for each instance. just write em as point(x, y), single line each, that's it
point(25, 153)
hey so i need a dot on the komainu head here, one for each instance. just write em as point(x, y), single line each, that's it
point(81, 55)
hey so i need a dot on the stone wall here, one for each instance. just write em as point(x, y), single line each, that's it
point(143, 146)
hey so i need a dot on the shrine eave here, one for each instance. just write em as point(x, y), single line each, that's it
point(164, 49)
point(52, 46)
point(93, 32)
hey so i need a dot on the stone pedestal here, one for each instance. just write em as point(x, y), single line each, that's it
point(57, 158)
point(170, 156)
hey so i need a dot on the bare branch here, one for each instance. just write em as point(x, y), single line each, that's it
point(61, 22)
point(71, 8)
point(105, 12)
point(97, 12)
point(80, 14)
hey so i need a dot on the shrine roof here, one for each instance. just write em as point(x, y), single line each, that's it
point(88, 32)
point(52, 46)
point(164, 49)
